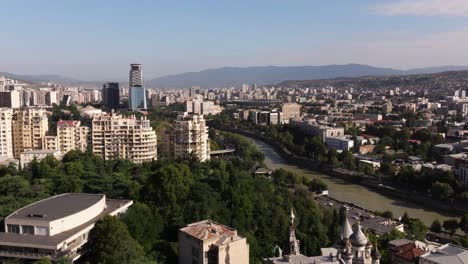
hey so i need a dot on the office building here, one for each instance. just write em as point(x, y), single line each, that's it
point(28, 156)
point(111, 95)
point(71, 135)
point(30, 125)
point(56, 227)
point(190, 137)
point(136, 92)
point(201, 107)
point(210, 242)
point(115, 136)
point(6, 133)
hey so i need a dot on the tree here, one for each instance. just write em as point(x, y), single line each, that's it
point(405, 218)
point(144, 225)
point(112, 243)
point(441, 191)
point(416, 229)
point(436, 226)
point(318, 186)
point(464, 224)
point(43, 260)
point(450, 226)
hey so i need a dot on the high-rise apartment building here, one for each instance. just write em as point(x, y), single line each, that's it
point(190, 137)
point(111, 95)
point(71, 135)
point(30, 125)
point(290, 110)
point(10, 99)
point(115, 136)
point(136, 92)
point(6, 138)
point(194, 90)
point(210, 242)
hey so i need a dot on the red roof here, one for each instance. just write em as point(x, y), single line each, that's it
point(67, 123)
point(409, 252)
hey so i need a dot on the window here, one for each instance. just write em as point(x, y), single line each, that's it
point(13, 229)
point(41, 231)
point(27, 229)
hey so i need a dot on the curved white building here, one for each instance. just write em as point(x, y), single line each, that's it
point(56, 227)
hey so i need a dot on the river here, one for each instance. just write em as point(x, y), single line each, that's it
point(353, 193)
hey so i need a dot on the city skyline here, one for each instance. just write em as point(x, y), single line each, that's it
point(92, 41)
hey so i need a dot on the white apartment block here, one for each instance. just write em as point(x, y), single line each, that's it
point(56, 227)
point(115, 136)
point(190, 137)
point(290, 110)
point(210, 242)
point(339, 143)
point(314, 129)
point(30, 125)
point(29, 155)
point(71, 135)
point(6, 136)
point(198, 106)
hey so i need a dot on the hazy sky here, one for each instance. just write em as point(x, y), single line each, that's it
point(97, 39)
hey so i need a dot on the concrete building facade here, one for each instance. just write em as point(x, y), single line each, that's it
point(56, 227)
point(190, 137)
point(6, 133)
point(30, 125)
point(71, 135)
point(210, 242)
point(115, 136)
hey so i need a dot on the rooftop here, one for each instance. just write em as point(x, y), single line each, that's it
point(208, 229)
point(56, 207)
point(14, 239)
point(41, 151)
point(449, 254)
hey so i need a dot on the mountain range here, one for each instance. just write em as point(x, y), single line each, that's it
point(235, 76)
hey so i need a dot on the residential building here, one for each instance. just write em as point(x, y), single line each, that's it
point(210, 242)
point(111, 95)
point(115, 136)
point(446, 254)
point(201, 107)
point(339, 143)
point(28, 156)
point(190, 137)
point(71, 135)
point(10, 99)
point(314, 129)
point(56, 227)
point(6, 133)
point(137, 93)
point(50, 143)
point(30, 125)
point(290, 110)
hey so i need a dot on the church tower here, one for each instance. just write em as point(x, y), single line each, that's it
point(293, 242)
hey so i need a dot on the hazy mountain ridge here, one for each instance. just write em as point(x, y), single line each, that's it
point(235, 76)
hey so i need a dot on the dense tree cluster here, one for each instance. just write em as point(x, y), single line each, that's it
point(169, 194)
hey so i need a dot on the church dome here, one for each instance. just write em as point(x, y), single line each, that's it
point(358, 238)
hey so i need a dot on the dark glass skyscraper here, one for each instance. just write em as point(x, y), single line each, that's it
point(137, 93)
point(111, 95)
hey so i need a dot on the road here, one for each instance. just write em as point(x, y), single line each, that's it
point(353, 193)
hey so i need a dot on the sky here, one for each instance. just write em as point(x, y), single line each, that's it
point(97, 40)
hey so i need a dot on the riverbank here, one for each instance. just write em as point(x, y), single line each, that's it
point(365, 195)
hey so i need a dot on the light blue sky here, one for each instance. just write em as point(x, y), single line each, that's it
point(97, 39)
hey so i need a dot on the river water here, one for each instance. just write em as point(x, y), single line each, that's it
point(352, 193)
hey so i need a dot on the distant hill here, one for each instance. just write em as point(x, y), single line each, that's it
point(46, 78)
point(235, 76)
